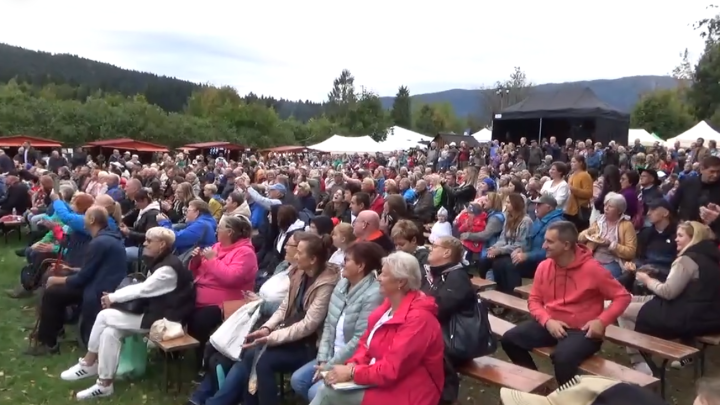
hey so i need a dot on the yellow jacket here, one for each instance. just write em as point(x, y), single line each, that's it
point(581, 191)
point(216, 208)
point(627, 239)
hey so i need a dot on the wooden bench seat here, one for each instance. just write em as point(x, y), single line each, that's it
point(523, 290)
point(594, 365)
point(503, 374)
point(185, 342)
point(481, 284)
point(168, 347)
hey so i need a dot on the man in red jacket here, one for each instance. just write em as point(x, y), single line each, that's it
point(567, 304)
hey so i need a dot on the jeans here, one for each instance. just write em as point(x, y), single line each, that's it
point(278, 359)
point(302, 383)
point(508, 276)
point(33, 220)
point(614, 268)
point(569, 353)
point(132, 253)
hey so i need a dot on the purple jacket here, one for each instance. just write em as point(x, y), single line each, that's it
point(631, 198)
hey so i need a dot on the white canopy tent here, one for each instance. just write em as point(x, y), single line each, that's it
point(483, 136)
point(700, 130)
point(347, 144)
point(399, 138)
point(646, 138)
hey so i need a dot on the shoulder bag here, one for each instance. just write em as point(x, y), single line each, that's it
point(136, 306)
point(186, 256)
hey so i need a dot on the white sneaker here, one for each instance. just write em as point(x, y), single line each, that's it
point(96, 391)
point(643, 368)
point(80, 371)
point(680, 364)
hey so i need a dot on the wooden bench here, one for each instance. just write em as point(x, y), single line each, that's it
point(594, 365)
point(704, 342)
point(168, 347)
point(481, 284)
point(523, 290)
point(9, 227)
point(647, 345)
point(503, 374)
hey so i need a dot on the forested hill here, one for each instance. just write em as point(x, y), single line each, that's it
point(83, 77)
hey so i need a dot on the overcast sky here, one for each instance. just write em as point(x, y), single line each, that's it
point(294, 49)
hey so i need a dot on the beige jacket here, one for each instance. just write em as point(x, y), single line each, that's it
point(315, 304)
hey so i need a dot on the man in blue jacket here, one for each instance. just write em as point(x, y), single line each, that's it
point(510, 271)
point(99, 274)
point(200, 229)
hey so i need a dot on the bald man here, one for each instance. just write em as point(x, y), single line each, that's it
point(100, 273)
point(367, 228)
point(128, 203)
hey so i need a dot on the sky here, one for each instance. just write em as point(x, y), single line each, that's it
point(295, 49)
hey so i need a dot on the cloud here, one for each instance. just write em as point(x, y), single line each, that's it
point(295, 49)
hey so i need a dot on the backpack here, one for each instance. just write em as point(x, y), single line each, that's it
point(306, 216)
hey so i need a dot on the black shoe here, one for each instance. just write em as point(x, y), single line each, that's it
point(42, 350)
point(20, 252)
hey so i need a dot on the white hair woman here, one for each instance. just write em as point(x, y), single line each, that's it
point(402, 349)
point(612, 237)
point(167, 293)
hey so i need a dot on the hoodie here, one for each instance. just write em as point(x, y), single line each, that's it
point(200, 233)
point(227, 276)
point(100, 272)
point(576, 294)
point(536, 253)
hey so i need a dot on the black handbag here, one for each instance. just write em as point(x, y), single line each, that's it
point(186, 256)
point(136, 306)
point(468, 335)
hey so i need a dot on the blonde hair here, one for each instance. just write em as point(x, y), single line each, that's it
point(495, 200)
point(345, 230)
point(165, 235)
point(697, 232)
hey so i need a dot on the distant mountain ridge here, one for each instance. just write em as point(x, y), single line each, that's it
point(622, 93)
point(41, 68)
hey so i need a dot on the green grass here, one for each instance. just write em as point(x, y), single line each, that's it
point(33, 381)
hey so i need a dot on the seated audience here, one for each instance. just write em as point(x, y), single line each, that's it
point(447, 281)
point(629, 181)
point(177, 211)
point(400, 355)
point(612, 237)
point(17, 197)
point(687, 303)
point(522, 262)
point(321, 225)
point(514, 235)
point(405, 235)
point(567, 305)
point(424, 205)
point(442, 227)
point(99, 274)
point(168, 293)
point(148, 211)
point(367, 228)
point(355, 296)
point(288, 339)
point(200, 230)
point(342, 237)
point(224, 272)
point(214, 201)
point(492, 204)
point(472, 220)
point(337, 207)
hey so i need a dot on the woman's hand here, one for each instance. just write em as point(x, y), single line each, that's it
point(209, 253)
point(643, 278)
point(195, 252)
point(105, 301)
point(165, 205)
point(339, 374)
point(629, 266)
point(318, 370)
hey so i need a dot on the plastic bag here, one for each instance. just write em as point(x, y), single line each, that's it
point(162, 330)
point(133, 358)
point(276, 287)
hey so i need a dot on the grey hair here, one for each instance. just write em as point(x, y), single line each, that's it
point(404, 266)
point(616, 200)
point(163, 234)
point(66, 192)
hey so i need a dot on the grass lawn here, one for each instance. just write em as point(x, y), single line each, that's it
point(33, 381)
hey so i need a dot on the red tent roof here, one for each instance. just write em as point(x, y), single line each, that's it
point(16, 141)
point(127, 144)
point(208, 145)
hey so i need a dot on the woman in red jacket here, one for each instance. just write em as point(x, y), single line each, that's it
point(400, 355)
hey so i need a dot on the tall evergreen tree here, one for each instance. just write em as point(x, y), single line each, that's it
point(401, 112)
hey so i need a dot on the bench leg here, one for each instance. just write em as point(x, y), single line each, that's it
point(701, 359)
point(166, 372)
point(658, 371)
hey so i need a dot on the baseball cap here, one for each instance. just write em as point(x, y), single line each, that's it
point(660, 203)
point(546, 199)
point(586, 390)
point(278, 187)
point(653, 173)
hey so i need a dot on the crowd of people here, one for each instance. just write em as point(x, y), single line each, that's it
point(335, 248)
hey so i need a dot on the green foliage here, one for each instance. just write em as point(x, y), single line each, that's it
point(401, 112)
point(430, 119)
point(704, 95)
point(663, 113)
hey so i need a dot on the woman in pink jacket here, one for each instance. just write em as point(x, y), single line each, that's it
point(224, 272)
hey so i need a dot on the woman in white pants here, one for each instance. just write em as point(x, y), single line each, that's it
point(166, 292)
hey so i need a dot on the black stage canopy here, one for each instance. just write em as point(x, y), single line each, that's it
point(574, 112)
